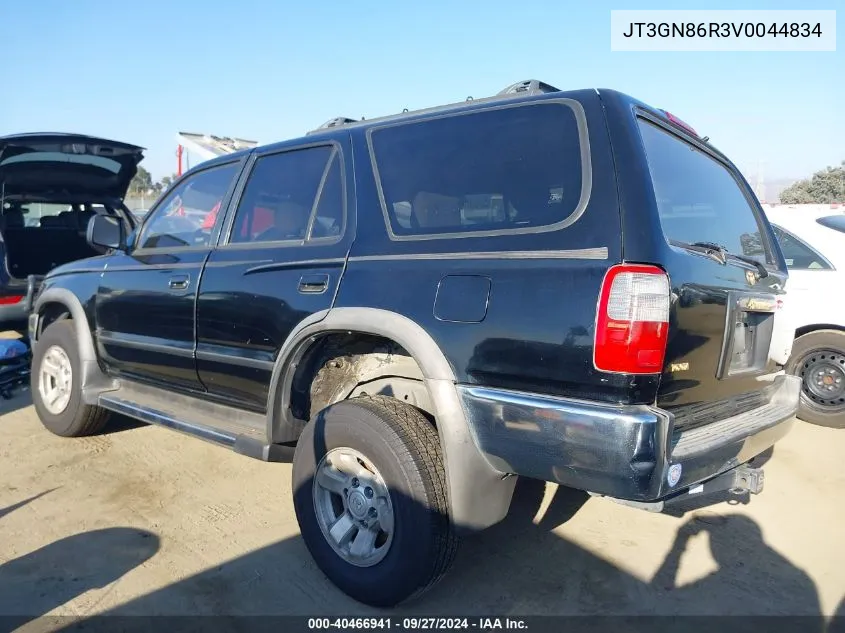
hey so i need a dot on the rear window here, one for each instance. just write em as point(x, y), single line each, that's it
point(515, 169)
point(835, 222)
point(698, 198)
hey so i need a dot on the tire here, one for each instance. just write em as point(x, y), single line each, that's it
point(820, 350)
point(75, 419)
point(403, 447)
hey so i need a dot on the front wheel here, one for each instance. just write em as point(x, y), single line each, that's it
point(370, 497)
point(818, 358)
point(55, 384)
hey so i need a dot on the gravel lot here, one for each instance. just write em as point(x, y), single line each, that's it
point(142, 520)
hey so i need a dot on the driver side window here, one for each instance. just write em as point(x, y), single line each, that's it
point(187, 215)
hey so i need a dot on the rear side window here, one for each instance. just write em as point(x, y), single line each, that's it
point(698, 198)
point(515, 169)
point(798, 254)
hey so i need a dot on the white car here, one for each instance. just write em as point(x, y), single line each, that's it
point(813, 244)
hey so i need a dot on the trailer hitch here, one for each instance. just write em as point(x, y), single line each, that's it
point(737, 482)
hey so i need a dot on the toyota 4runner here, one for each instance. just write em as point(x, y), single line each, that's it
point(570, 286)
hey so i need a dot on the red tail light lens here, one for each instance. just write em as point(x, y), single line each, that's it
point(632, 324)
point(7, 301)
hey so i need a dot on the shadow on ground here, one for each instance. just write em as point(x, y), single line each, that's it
point(504, 571)
point(20, 399)
point(38, 582)
point(20, 504)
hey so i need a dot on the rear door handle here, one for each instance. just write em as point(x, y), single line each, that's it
point(179, 282)
point(313, 284)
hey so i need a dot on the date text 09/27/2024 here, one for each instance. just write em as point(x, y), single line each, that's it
point(416, 624)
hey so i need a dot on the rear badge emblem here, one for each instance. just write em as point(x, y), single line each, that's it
point(678, 367)
point(674, 475)
point(751, 277)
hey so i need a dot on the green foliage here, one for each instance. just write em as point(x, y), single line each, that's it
point(826, 186)
point(141, 184)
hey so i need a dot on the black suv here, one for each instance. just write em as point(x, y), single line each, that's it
point(51, 184)
point(569, 286)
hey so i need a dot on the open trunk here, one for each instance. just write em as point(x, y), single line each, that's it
point(40, 236)
point(50, 184)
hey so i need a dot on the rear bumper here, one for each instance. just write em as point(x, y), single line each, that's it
point(14, 316)
point(626, 452)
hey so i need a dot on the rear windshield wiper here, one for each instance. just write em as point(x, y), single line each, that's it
point(721, 254)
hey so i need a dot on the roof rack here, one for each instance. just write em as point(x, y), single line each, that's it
point(335, 122)
point(525, 88)
point(528, 87)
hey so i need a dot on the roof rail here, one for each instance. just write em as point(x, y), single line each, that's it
point(528, 87)
point(335, 122)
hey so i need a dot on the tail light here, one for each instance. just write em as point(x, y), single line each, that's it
point(679, 122)
point(632, 321)
point(7, 301)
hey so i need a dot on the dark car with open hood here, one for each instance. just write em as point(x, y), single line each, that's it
point(51, 184)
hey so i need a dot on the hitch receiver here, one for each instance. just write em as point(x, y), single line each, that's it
point(736, 482)
point(747, 479)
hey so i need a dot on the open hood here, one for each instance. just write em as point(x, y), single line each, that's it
point(55, 164)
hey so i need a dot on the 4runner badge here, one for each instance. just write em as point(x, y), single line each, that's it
point(678, 367)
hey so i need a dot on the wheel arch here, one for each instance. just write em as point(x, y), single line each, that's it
point(815, 327)
point(479, 495)
point(57, 303)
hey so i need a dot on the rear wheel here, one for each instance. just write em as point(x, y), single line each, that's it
point(370, 497)
point(818, 358)
point(55, 384)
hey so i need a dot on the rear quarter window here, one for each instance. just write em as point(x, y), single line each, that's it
point(798, 254)
point(517, 169)
point(698, 198)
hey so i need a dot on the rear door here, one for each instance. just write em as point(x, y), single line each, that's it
point(723, 308)
point(279, 261)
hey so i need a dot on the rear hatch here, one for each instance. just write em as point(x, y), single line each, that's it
point(726, 273)
point(48, 184)
point(51, 164)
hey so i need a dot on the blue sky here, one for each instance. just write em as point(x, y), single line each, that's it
point(142, 71)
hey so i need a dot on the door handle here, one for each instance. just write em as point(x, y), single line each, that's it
point(179, 282)
point(313, 284)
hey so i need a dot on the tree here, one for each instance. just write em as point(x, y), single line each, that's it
point(826, 186)
point(166, 181)
point(141, 184)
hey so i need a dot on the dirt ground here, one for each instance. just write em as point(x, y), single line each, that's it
point(142, 520)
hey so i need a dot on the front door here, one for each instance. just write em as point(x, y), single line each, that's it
point(280, 259)
point(147, 296)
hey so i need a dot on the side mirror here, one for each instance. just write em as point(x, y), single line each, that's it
point(105, 231)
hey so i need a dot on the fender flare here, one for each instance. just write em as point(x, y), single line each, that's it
point(479, 495)
point(92, 379)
